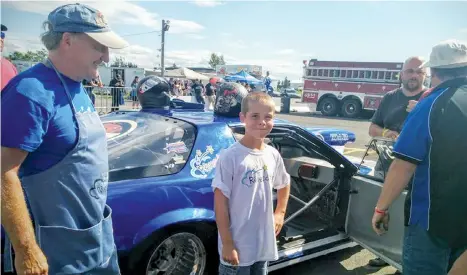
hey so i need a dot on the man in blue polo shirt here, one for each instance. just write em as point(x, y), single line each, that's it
point(54, 154)
point(432, 151)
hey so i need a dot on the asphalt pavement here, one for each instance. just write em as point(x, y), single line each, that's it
point(350, 261)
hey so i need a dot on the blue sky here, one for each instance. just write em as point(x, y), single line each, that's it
point(277, 35)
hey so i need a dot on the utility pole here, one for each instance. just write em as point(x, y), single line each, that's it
point(165, 27)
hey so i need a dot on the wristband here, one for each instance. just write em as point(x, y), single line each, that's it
point(380, 211)
point(384, 132)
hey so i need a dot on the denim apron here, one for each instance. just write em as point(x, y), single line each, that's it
point(72, 221)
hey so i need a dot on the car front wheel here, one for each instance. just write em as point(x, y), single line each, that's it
point(177, 254)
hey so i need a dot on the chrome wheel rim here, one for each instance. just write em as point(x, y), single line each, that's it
point(181, 253)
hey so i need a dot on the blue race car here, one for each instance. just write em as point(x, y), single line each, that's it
point(161, 167)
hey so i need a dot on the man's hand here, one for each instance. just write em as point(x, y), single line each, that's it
point(230, 255)
point(278, 222)
point(31, 261)
point(411, 105)
point(380, 220)
point(391, 134)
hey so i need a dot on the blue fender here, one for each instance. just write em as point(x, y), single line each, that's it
point(173, 217)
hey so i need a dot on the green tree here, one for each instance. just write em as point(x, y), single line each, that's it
point(120, 61)
point(216, 60)
point(34, 56)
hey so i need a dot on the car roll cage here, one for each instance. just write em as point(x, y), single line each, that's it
point(302, 139)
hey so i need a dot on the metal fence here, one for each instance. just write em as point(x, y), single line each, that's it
point(108, 99)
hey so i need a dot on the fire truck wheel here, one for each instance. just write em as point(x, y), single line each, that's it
point(329, 106)
point(351, 108)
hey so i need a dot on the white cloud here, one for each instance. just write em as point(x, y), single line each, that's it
point(235, 44)
point(183, 26)
point(142, 56)
point(463, 30)
point(195, 36)
point(22, 43)
point(207, 3)
point(116, 12)
point(285, 51)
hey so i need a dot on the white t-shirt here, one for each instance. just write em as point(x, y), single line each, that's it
point(246, 177)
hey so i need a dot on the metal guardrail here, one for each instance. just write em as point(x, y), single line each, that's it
point(108, 99)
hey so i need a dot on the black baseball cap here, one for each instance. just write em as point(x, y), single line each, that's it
point(4, 28)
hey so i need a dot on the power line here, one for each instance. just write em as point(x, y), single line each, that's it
point(139, 33)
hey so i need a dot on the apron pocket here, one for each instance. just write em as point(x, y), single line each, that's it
point(72, 251)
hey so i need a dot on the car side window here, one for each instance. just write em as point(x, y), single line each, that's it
point(377, 159)
point(156, 147)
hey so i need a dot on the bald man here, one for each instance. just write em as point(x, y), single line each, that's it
point(396, 105)
point(393, 110)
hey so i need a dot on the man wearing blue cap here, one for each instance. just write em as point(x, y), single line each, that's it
point(54, 154)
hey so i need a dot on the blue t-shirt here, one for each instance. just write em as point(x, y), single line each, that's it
point(37, 117)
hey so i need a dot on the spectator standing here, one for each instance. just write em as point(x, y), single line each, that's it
point(116, 92)
point(55, 162)
point(431, 153)
point(246, 174)
point(134, 93)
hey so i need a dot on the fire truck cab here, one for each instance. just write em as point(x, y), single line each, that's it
point(346, 88)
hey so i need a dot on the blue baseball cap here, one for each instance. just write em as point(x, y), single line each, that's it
point(79, 18)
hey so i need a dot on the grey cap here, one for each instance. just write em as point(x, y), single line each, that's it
point(447, 54)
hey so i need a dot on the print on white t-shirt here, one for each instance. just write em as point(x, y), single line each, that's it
point(246, 177)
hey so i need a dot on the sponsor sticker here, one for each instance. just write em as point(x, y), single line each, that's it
point(203, 163)
point(117, 128)
point(178, 147)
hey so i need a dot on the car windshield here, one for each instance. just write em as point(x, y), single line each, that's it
point(146, 145)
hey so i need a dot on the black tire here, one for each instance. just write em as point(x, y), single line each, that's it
point(207, 239)
point(329, 106)
point(351, 108)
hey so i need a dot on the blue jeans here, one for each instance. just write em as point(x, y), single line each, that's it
point(258, 268)
point(425, 254)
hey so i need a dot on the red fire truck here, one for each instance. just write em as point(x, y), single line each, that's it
point(346, 88)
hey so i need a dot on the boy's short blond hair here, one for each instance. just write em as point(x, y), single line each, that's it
point(260, 97)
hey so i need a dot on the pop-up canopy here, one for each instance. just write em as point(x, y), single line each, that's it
point(243, 76)
point(185, 73)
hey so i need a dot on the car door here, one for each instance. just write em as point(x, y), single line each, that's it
point(364, 193)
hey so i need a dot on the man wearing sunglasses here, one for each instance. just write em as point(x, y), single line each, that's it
point(8, 69)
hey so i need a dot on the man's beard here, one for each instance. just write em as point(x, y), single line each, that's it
point(411, 88)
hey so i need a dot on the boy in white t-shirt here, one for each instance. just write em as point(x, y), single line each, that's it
point(246, 172)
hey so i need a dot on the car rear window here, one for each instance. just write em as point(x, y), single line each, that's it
point(147, 145)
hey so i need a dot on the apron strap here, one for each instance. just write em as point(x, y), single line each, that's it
point(7, 256)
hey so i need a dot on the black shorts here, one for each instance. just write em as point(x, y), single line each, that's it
point(134, 98)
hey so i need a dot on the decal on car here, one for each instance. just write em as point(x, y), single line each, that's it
point(203, 163)
point(178, 147)
point(118, 128)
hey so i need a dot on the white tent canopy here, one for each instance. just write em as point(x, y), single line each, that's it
point(185, 73)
